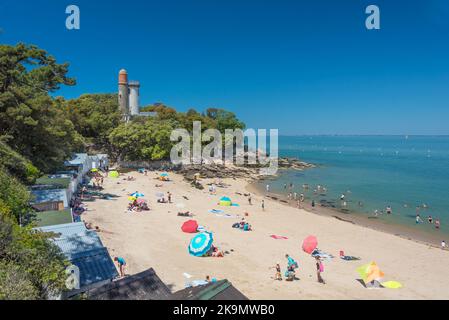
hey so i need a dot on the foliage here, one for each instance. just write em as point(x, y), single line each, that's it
point(17, 165)
point(31, 267)
point(30, 120)
point(146, 139)
point(94, 117)
point(13, 195)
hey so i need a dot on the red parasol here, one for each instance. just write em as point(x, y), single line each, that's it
point(309, 244)
point(190, 226)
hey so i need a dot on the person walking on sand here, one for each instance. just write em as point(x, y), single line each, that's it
point(249, 200)
point(278, 275)
point(169, 196)
point(263, 205)
point(319, 269)
point(121, 264)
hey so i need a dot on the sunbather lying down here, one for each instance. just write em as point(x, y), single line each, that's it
point(348, 258)
point(215, 252)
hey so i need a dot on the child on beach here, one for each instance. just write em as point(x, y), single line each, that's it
point(121, 264)
point(277, 275)
point(319, 269)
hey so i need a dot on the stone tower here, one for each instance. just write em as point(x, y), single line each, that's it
point(123, 94)
point(134, 98)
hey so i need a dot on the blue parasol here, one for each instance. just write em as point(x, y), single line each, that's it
point(137, 195)
point(201, 244)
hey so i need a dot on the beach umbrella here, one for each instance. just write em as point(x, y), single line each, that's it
point(225, 201)
point(190, 226)
point(309, 244)
point(137, 195)
point(370, 272)
point(114, 174)
point(201, 244)
point(132, 198)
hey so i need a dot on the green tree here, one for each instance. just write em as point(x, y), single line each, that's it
point(145, 139)
point(94, 117)
point(30, 120)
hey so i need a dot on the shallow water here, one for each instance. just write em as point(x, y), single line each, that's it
point(378, 171)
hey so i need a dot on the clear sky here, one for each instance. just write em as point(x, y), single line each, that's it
point(304, 67)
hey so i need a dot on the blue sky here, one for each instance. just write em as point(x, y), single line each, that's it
point(305, 67)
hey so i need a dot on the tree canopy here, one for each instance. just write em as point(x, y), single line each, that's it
point(30, 120)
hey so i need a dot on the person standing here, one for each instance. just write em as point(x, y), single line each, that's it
point(249, 200)
point(263, 205)
point(443, 245)
point(319, 269)
point(437, 223)
point(169, 196)
point(268, 188)
point(121, 264)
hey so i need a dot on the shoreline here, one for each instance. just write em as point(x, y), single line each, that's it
point(373, 223)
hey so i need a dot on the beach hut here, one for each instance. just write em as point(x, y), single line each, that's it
point(226, 201)
point(201, 244)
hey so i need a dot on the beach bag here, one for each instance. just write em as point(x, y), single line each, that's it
point(321, 267)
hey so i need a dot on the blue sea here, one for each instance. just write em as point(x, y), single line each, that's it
point(379, 171)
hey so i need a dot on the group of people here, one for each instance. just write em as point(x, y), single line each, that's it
point(243, 225)
point(292, 265)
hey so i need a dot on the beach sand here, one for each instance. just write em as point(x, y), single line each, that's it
point(153, 239)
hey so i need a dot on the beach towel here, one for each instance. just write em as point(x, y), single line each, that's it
point(216, 211)
point(321, 254)
point(278, 237)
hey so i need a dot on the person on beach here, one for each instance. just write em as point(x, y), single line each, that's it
point(249, 200)
point(169, 196)
point(268, 188)
point(376, 213)
point(313, 203)
point(319, 269)
point(443, 245)
point(295, 196)
point(389, 210)
point(301, 197)
point(437, 224)
point(277, 275)
point(342, 197)
point(430, 219)
point(298, 204)
point(263, 205)
point(418, 219)
point(291, 262)
point(121, 264)
point(285, 186)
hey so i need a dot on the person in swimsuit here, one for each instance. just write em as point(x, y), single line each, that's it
point(121, 264)
point(319, 270)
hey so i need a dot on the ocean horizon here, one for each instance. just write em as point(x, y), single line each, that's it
point(373, 172)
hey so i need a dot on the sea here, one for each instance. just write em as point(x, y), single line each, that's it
point(373, 172)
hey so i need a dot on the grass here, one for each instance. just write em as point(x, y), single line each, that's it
point(51, 218)
point(57, 183)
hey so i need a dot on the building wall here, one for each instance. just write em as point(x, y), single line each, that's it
point(134, 99)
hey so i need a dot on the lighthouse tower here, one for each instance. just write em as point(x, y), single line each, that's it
point(123, 94)
point(134, 98)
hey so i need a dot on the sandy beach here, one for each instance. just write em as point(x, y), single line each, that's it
point(153, 239)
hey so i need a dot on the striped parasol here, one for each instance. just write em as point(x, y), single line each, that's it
point(201, 244)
